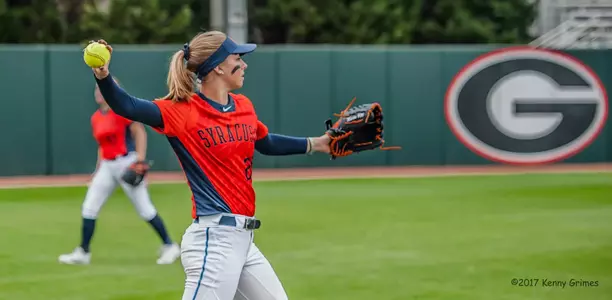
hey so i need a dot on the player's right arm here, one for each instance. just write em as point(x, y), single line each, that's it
point(121, 102)
point(161, 115)
point(128, 106)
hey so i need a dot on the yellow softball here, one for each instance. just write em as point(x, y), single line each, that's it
point(96, 55)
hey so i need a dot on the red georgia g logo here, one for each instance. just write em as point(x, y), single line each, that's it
point(524, 105)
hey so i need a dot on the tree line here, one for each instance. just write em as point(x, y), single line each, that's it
point(272, 21)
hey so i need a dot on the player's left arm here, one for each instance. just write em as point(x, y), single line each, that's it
point(140, 139)
point(278, 144)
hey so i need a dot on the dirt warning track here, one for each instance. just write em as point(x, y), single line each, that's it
point(324, 173)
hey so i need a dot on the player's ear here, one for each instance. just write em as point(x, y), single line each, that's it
point(218, 70)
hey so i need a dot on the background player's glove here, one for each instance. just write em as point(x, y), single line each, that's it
point(359, 128)
point(135, 174)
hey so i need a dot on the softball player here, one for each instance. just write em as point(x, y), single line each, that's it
point(214, 134)
point(121, 142)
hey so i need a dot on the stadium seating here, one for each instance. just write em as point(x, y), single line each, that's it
point(575, 24)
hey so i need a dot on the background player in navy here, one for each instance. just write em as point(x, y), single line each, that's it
point(121, 142)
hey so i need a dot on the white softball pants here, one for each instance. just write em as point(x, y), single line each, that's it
point(221, 262)
point(105, 181)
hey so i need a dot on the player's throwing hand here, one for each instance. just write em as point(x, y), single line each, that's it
point(102, 72)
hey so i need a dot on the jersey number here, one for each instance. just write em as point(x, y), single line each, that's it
point(248, 170)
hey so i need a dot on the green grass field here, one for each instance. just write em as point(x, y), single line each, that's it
point(455, 238)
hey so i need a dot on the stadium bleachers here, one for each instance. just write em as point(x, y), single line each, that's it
point(575, 24)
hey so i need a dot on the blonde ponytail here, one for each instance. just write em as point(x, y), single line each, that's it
point(180, 79)
point(181, 74)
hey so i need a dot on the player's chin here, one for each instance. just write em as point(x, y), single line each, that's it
point(238, 83)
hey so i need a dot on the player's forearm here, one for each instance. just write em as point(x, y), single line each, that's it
point(128, 106)
point(276, 144)
point(99, 158)
point(140, 139)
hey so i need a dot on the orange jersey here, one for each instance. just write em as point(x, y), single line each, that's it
point(215, 145)
point(112, 133)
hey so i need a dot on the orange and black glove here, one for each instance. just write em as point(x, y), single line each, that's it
point(359, 128)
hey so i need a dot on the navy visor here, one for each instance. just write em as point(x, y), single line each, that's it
point(226, 49)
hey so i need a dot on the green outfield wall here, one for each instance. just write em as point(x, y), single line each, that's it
point(48, 100)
